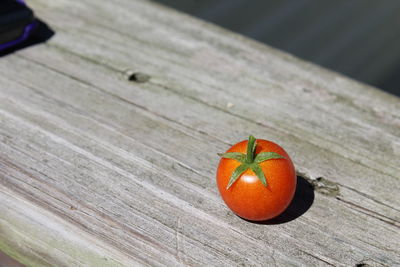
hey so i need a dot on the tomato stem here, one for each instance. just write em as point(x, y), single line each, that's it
point(251, 147)
point(250, 161)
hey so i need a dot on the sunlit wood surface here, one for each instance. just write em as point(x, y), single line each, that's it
point(109, 135)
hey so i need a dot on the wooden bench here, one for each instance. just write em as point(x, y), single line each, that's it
point(109, 135)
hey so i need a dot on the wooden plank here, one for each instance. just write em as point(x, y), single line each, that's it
point(129, 167)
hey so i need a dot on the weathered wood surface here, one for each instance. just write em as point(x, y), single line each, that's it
point(97, 170)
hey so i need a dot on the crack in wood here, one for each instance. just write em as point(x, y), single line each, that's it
point(371, 213)
point(321, 184)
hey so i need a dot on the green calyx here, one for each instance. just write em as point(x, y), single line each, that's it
point(250, 161)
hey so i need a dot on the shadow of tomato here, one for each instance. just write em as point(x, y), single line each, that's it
point(302, 201)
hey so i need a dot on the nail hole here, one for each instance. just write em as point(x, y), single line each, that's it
point(137, 77)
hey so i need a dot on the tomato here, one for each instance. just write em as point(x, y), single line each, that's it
point(256, 179)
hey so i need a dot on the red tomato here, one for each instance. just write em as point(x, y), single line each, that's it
point(256, 179)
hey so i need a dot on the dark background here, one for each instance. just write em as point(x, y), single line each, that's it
point(358, 38)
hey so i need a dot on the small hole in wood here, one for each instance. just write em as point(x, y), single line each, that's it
point(137, 77)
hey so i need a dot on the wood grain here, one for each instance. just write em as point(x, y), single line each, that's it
point(99, 170)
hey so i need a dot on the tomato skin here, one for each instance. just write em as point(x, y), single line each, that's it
point(247, 196)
